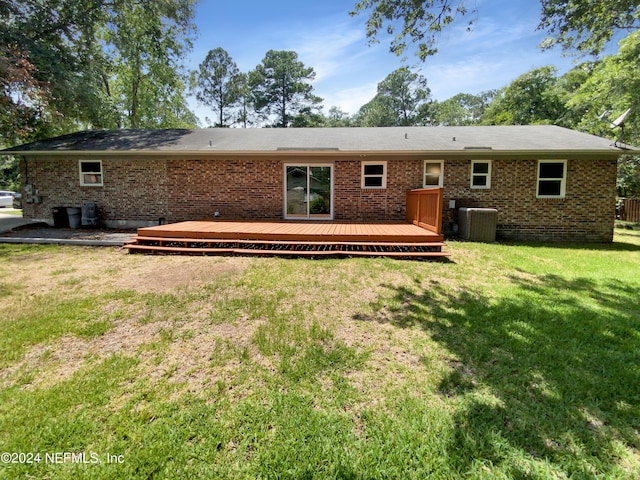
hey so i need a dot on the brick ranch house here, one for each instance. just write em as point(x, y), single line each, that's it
point(547, 182)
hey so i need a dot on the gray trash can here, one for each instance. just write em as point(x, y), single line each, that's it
point(89, 214)
point(75, 217)
point(60, 217)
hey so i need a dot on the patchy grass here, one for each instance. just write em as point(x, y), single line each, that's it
point(509, 361)
point(11, 211)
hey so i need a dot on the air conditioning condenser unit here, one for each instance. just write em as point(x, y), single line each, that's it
point(477, 224)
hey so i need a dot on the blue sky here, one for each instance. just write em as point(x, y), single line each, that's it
point(502, 45)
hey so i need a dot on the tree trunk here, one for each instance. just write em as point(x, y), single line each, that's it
point(283, 105)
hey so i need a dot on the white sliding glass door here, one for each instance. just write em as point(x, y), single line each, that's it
point(308, 191)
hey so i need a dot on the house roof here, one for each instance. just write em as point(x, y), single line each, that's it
point(530, 138)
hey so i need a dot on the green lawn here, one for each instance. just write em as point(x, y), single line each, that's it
point(507, 361)
point(11, 211)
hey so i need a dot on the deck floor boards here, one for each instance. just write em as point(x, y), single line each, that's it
point(291, 230)
point(389, 238)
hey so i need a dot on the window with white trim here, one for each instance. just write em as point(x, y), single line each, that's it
point(552, 178)
point(433, 174)
point(91, 173)
point(481, 174)
point(374, 174)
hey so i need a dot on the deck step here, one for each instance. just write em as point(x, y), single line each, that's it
point(210, 241)
point(133, 248)
point(191, 246)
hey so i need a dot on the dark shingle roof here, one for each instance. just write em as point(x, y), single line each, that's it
point(537, 138)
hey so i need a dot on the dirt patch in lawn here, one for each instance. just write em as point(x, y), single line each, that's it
point(163, 274)
point(58, 361)
point(78, 270)
point(210, 358)
point(68, 273)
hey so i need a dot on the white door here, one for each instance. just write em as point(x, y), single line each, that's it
point(308, 191)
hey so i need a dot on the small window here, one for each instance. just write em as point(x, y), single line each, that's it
point(374, 174)
point(433, 174)
point(481, 174)
point(552, 178)
point(91, 173)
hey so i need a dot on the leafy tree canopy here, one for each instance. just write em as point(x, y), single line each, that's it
point(583, 25)
point(218, 84)
point(9, 173)
point(421, 21)
point(462, 109)
point(144, 45)
point(246, 114)
point(612, 87)
point(69, 64)
point(337, 118)
point(402, 98)
point(587, 25)
point(532, 98)
point(281, 87)
point(42, 49)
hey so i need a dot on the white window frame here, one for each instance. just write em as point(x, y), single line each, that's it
point(424, 174)
point(486, 175)
point(383, 175)
point(563, 180)
point(82, 174)
point(308, 216)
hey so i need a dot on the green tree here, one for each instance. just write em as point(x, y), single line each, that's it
point(566, 87)
point(611, 88)
point(629, 176)
point(462, 109)
point(378, 112)
point(584, 25)
point(338, 118)
point(308, 118)
point(43, 49)
point(421, 21)
point(147, 44)
point(24, 100)
point(218, 84)
point(246, 113)
point(587, 25)
point(403, 98)
point(281, 87)
point(9, 173)
point(532, 98)
point(70, 64)
point(408, 94)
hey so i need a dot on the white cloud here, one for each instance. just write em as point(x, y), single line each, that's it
point(347, 69)
point(489, 57)
point(445, 81)
point(349, 99)
point(329, 52)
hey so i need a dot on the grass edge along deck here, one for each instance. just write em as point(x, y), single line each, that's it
point(289, 238)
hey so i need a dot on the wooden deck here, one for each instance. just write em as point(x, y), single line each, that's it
point(215, 237)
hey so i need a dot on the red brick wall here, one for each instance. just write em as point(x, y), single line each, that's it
point(208, 186)
point(357, 204)
point(134, 189)
point(144, 190)
point(236, 188)
point(586, 213)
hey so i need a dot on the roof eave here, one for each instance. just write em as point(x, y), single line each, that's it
point(484, 153)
